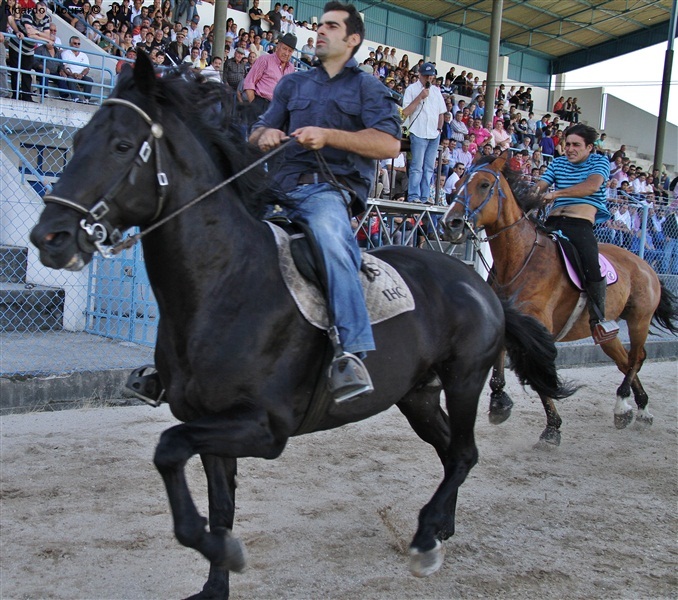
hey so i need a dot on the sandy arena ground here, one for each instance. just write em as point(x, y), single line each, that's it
point(84, 513)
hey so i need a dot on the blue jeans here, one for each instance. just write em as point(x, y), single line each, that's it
point(423, 160)
point(670, 259)
point(325, 210)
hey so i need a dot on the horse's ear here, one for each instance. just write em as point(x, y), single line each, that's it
point(499, 162)
point(144, 75)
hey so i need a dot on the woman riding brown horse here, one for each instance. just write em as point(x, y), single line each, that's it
point(529, 269)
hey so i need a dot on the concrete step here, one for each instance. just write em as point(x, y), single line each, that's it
point(13, 261)
point(28, 307)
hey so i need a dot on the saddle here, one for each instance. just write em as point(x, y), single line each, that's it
point(386, 293)
point(575, 273)
point(303, 271)
point(573, 267)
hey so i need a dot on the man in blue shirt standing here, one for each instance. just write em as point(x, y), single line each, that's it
point(350, 118)
point(580, 201)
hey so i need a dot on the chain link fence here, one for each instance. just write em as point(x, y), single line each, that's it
point(57, 322)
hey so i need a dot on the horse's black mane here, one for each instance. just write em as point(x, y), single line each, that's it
point(527, 196)
point(211, 111)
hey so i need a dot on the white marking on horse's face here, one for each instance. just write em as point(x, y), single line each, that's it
point(77, 263)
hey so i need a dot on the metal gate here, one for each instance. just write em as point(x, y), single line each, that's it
point(120, 302)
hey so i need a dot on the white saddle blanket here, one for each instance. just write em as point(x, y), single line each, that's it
point(386, 296)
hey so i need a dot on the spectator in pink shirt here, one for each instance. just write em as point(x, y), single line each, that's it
point(266, 71)
point(482, 134)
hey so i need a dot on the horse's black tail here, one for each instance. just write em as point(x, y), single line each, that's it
point(533, 354)
point(666, 314)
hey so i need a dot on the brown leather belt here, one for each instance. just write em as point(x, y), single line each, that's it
point(310, 178)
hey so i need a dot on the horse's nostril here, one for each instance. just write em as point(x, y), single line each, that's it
point(55, 239)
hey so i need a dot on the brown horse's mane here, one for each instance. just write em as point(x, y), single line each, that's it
point(528, 197)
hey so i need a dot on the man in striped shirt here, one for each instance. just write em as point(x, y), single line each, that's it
point(33, 24)
point(579, 202)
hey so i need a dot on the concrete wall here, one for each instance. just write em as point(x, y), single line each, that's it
point(21, 208)
point(591, 103)
point(626, 122)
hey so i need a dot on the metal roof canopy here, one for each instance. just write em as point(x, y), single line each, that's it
point(570, 33)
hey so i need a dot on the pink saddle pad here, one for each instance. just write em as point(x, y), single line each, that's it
point(607, 270)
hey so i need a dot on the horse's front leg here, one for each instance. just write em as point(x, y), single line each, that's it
point(225, 435)
point(221, 486)
point(551, 434)
point(500, 402)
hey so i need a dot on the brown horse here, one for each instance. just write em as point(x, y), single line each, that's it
point(528, 268)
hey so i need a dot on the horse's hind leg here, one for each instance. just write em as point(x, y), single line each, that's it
point(430, 422)
point(623, 413)
point(637, 355)
point(421, 407)
point(500, 402)
point(220, 474)
point(644, 417)
point(437, 517)
point(629, 364)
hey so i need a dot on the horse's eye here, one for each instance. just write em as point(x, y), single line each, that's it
point(123, 146)
point(484, 185)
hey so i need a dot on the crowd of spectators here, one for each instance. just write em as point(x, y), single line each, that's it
point(169, 31)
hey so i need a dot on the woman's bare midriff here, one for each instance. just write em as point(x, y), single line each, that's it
point(576, 211)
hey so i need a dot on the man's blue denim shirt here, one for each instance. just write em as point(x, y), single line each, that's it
point(351, 101)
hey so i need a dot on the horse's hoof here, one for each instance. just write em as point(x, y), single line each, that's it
point(550, 436)
point(236, 554)
point(423, 564)
point(644, 419)
point(500, 408)
point(623, 420)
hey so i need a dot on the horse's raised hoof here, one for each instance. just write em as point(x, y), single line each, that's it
point(644, 419)
point(500, 408)
point(423, 564)
point(236, 554)
point(549, 437)
point(623, 420)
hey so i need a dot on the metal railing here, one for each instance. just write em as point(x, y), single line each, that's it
point(63, 83)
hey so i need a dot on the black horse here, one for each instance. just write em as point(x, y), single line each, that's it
point(238, 361)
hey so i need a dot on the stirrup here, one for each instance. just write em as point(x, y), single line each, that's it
point(604, 331)
point(144, 383)
point(348, 378)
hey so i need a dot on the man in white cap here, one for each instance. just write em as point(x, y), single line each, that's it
point(425, 109)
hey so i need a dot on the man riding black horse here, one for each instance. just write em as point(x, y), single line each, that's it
point(348, 117)
point(342, 120)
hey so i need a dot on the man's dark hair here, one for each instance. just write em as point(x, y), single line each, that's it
point(586, 132)
point(354, 22)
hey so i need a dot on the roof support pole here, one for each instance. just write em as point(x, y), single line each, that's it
point(666, 82)
point(493, 61)
point(220, 15)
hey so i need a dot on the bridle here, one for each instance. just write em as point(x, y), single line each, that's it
point(463, 197)
point(96, 229)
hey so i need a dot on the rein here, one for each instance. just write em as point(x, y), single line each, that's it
point(464, 198)
point(98, 230)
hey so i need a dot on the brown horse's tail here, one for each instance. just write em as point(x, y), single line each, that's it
point(666, 314)
point(533, 354)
